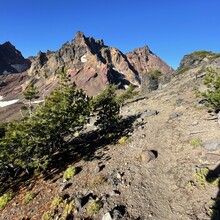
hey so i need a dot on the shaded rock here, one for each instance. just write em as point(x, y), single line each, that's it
point(11, 60)
point(175, 115)
point(78, 203)
point(211, 145)
point(118, 212)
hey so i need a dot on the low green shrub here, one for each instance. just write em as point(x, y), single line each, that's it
point(94, 207)
point(123, 140)
point(29, 197)
point(4, 199)
point(196, 142)
point(69, 173)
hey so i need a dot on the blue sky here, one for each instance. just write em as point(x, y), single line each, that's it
point(171, 28)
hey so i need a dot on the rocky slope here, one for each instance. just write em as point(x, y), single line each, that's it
point(172, 123)
point(11, 60)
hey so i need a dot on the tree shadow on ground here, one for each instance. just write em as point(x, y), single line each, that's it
point(83, 147)
point(210, 177)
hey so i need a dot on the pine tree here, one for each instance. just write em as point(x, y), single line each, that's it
point(30, 94)
point(107, 108)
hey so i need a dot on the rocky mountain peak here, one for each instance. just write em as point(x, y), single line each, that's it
point(144, 61)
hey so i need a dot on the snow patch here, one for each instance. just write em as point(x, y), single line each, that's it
point(20, 67)
point(6, 72)
point(34, 102)
point(83, 59)
point(6, 103)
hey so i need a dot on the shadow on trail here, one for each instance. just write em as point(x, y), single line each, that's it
point(212, 176)
point(83, 147)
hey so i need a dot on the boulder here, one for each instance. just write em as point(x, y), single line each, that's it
point(211, 145)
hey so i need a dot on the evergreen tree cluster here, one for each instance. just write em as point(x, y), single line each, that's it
point(28, 144)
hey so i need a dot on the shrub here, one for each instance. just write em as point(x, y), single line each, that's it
point(4, 199)
point(46, 216)
point(123, 140)
point(29, 197)
point(68, 209)
point(196, 142)
point(200, 177)
point(212, 95)
point(98, 181)
point(69, 173)
point(56, 202)
point(94, 207)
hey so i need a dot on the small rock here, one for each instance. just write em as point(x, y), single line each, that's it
point(115, 193)
point(211, 145)
point(142, 136)
point(194, 123)
point(118, 175)
point(148, 113)
point(175, 115)
point(148, 155)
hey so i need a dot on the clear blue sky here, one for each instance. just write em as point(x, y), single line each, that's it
point(171, 28)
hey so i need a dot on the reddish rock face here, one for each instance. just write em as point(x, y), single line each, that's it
point(143, 61)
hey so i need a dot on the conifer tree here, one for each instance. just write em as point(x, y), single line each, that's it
point(30, 94)
point(107, 109)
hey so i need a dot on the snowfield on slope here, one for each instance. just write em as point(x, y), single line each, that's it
point(6, 103)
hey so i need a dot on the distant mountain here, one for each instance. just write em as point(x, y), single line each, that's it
point(11, 60)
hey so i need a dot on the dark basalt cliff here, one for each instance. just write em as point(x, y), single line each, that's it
point(11, 60)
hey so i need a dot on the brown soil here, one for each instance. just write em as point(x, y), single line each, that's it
point(164, 188)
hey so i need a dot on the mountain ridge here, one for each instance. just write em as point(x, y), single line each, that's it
point(93, 65)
